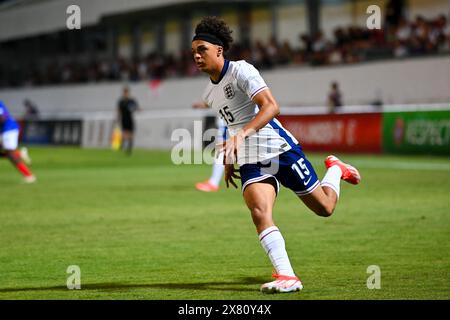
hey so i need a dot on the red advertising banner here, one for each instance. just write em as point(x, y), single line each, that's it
point(355, 132)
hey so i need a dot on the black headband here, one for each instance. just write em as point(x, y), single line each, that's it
point(209, 38)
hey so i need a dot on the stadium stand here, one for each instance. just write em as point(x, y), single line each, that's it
point(94, 55)
point(349, 45)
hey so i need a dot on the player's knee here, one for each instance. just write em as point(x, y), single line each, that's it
point(260, 214)
point(12, 156)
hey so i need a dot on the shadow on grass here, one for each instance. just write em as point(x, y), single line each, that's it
point(237, 285)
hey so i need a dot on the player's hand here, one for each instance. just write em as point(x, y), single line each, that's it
point(231, 146)
point(199, 105)
point(230, 173)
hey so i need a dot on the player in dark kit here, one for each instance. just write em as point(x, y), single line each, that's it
point(126, 107)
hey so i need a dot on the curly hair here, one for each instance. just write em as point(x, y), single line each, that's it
point(216, 27)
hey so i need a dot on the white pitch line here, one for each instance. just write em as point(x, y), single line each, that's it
point(402, 165)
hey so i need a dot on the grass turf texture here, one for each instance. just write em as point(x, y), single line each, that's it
point(139, 230)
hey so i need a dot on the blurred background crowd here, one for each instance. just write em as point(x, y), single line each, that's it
point(400, 37)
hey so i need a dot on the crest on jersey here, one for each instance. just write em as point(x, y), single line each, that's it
point(229, 91)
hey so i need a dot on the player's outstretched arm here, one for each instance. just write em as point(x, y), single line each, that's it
point(268, 109)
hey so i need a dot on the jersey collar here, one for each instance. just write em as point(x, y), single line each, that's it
point(222, 73)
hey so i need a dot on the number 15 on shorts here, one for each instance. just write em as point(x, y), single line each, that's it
point(301, 170)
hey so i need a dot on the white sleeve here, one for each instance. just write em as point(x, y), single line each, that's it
point(249, 79)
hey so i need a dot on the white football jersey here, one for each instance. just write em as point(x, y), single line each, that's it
point(231, 97)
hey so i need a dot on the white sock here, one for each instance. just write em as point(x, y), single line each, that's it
point(217, 172)
point(273, 243)
point(332, 179)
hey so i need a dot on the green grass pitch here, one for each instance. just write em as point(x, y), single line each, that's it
point(138, 229)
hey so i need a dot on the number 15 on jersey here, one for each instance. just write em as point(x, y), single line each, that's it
point(226, 115)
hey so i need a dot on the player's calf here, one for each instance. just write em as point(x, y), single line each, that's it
point(16, 160)
point(322, 201)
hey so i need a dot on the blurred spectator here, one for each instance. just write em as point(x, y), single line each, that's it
point(273, 52)
point(320, 49)
point(400, 49)
point(285, 53)
point(334, 98)
point(31, 110)
point(403, 33)
point(307, 44)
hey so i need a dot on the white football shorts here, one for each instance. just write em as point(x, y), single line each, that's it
point(10, 139)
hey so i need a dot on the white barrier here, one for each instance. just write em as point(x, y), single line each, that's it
point(153, 129)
